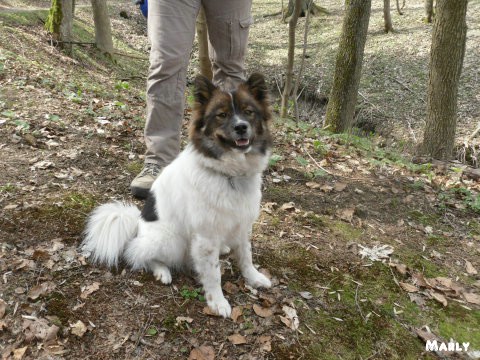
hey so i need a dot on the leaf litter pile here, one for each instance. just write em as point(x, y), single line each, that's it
point(366, 250)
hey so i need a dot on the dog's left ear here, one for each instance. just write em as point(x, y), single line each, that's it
point(203, 89)
point(257, 86)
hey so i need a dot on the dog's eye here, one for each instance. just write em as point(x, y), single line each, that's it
point(222, 115)
point(248, 112)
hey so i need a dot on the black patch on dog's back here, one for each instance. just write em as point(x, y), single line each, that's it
point(149, 209)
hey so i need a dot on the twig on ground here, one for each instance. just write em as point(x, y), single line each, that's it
point(116, 52)
point(316, 163)
point(406, 87)
point(357, 304)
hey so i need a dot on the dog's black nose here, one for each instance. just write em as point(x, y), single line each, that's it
point(241, 129)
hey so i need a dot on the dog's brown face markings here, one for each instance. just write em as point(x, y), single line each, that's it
point(223, 121)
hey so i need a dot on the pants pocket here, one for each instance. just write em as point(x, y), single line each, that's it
point(239, 36)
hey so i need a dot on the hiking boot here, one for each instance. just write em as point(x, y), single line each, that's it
point(141, 185)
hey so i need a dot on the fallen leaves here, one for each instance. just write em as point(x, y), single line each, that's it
point(39, 329)
point(376, 253)
point(40, 290)
point(470, 269)
point(78, 329)
point(90, 289)
point(408, 287)
point(439, 289)
point(202, 353)
point(3, 307)
point(237, 339)
point(261, 311)
point(291, 318)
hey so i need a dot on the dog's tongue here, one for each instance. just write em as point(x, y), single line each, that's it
point(242, 142)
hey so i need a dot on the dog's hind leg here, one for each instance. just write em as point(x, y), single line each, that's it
point(205, 256)
point(161, 272)
point(243, 254)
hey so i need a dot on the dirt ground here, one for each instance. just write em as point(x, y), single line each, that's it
point(371, 255)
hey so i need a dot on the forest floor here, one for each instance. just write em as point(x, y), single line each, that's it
point(371, 255)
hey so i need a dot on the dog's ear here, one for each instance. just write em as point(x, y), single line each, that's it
point(257, 87)
point(203, 89)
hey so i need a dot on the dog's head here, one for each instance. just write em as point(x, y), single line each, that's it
point(231, 121)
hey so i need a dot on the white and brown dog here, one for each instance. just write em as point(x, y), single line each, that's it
point(206, 200)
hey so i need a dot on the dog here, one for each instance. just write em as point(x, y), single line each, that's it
point(205, 201)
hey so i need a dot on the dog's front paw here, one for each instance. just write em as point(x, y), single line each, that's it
point(256, 279)
point(162, 273)
point(220, 307)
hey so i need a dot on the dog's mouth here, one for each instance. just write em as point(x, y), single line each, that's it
point(242, 143)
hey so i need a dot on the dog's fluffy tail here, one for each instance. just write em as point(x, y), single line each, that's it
point(109, 228)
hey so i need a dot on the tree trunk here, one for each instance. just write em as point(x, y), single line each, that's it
point(387, 16)
point(67, 25)
point(54, 19)
point(446, 60)
point(103, 30)
point(348, 66)
point(59, 23)
point(292, 25)
point(205, 66)
point(305, 6)
point(428, 10)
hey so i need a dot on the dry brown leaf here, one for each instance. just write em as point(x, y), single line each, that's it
point(261, 311)
point(39, 329)
point(86, 291)
point(267, 300)
point(79, 328)
point(266, 343)
point(470, 269)
point(419, 280)
point(408, 287)
point(401, 268)
point(202, 353)
point(346, 214)
point(269, 207)
point(425, 335)
point(41, 289)
point(290, 206)
point(237, 339)
point(208, 311)
point(472, 298)
point(19, 353)
point(417, 299)
point(439, 297)
point(312, 185)
point(291, 318)
point(326, 188)
point(339, 186)
point(237, 312)
point(181, 319)
point(230, 288)
point(3, 308)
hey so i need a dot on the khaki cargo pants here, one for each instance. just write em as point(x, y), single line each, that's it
point(171, 31)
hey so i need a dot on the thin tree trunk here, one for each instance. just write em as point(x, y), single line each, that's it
point(103, 29)
point(387, 16)
point(446, 61)
point(302, 62)
point(67, 25)
point(54, 19)
point(428, 10)
point(205, 66)
point(292, 25)
point(348, 66)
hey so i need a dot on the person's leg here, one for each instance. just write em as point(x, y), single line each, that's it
point(228, 23)
point(171, 30)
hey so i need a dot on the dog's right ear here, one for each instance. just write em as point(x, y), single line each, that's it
point(203, 89)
